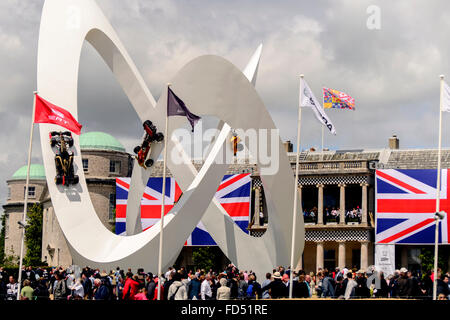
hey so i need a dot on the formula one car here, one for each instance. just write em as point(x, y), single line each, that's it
point(143, 150)
point(64, 158)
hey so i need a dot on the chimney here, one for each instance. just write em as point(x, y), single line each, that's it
point(394, 142)
point(288, 146)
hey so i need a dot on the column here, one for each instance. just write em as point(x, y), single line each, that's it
point(364, 203)
point(342, 203)
point(341, 254)
point(319, 256)
point(320, 204)
point(364, 255)
point(257, 205)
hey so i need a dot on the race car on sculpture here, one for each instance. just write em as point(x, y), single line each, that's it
point(143, 150)
point(64, 158)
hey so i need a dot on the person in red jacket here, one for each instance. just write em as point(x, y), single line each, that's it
point(131, 286)
point(158, 287)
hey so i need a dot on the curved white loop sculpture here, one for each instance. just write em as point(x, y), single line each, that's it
point(209, 85)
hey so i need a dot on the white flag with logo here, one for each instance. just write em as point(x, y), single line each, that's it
point(307, 99)
point(446, 98)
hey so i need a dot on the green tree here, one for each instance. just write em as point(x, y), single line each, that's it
point(33, 236)
point(203, 257)
point(2, 238)
point(427, 260)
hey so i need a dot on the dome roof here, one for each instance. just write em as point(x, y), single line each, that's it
point(100, 141)
point(37, 172)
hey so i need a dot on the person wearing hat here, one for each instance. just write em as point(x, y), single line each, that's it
point(151, 285)
point(277, 288)
point(404, 287)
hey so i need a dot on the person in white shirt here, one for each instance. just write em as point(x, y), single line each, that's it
point(205, 289)
point(77, 290)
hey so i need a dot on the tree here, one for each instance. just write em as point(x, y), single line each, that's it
point(2, 239)
point(33, 236)
point(427, 260)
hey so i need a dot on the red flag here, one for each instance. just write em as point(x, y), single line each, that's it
point(47, 112)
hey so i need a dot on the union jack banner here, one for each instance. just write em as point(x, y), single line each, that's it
point(406, 204)
point(233, 194)
point(337, 99)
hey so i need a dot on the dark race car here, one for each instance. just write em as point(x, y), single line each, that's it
point(64, 158)
point(143, 150)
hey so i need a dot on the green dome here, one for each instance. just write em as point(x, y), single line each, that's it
point(37, 172)
point(100, 141)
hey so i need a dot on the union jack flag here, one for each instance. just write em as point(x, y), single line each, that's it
point(233, 194)
point(406, 204)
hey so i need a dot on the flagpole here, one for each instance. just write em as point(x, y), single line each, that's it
point(294, 216)
point(25, 205)
point(163, 200)
point(438, 193)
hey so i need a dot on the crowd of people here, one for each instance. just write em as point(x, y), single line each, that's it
point(333, 215)
point(231, 283)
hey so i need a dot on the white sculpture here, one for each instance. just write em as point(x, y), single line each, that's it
point(208, 85)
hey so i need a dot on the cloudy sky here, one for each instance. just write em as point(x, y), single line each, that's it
point(392, 72)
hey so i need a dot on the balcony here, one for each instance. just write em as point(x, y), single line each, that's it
point(333, 166)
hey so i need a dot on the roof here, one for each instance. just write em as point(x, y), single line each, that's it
point(100, 141)
point(37, 172)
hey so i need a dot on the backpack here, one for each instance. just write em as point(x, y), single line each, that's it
point(250, 291)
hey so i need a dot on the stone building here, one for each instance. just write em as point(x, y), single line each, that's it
point(13, 209)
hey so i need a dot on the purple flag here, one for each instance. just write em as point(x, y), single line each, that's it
point(176, 107)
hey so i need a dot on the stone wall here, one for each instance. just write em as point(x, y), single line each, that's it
point(99, 163)
point(54, 246)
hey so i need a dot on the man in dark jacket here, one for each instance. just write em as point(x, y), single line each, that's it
point(87, 285)
point(404, 284)
point(328, 285)
point(151, 285)
point(361, 290)
point(102, 291)
point(393, 286)
point(300, 288)
point(253, 288)
point(277, 288)
point(339, 290)
point(233, 284)
point(414, 285)
point(442, 286)
point(167, 284)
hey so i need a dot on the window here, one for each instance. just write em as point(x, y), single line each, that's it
point(9, 193)
point(329, 260)
point(31, 191)
point(85, 165)
point(114, 166)
point(112, 206)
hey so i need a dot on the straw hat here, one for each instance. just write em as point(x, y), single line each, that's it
point(276, 275)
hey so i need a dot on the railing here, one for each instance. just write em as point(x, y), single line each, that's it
point(318, 166)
